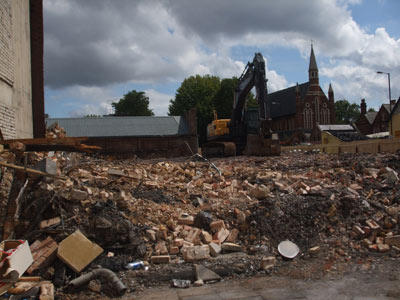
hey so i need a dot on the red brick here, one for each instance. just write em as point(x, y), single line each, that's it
point(217, 225)
point(43, 254)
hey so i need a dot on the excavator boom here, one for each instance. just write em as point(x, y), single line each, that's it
point(238, 136)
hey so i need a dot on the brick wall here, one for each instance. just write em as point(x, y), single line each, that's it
point(7, 122)
point(6, 47)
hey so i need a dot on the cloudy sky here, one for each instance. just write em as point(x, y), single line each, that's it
point(98, 50)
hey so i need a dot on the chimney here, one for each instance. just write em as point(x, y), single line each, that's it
point(363, 107)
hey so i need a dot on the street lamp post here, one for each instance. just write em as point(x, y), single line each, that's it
point(390, 96)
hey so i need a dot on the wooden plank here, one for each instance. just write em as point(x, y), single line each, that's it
point(29, 170)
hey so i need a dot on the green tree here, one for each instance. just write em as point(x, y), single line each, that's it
point(199, 92)
point(346, 112)
point(371, 110)
point(223, 100)
point(133, 104)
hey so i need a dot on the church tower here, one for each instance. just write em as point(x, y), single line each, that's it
point(313, 69)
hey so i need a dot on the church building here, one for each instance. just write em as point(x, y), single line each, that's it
point(298, 110)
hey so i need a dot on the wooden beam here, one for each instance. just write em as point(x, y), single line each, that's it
point(29, 170)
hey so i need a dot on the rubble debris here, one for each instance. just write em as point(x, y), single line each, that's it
point(15, 259)
point(33, 292)
point(195, 253)
point(43, 253)
point(47, 165)
point(288, 249)
point(76, 251)
point(268, 262)
point(135, 265)
point(49, 222)
point(160, 259)
point(46, 291)
point(21, 287)
point(334, 208)
point(180, 283)
point(105, 275)
point(215, 249)
point(231, 247)
point(205, 275)
point(29, 170)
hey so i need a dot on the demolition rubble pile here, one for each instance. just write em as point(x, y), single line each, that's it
point(178, 212)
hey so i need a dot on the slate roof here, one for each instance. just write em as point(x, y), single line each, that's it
point(348, 136)
point(283, 102)
point(122, 126)
point(370, 116)
point(396, 108)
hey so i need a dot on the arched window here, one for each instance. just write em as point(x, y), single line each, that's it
point(308, 117)
point(317, 110)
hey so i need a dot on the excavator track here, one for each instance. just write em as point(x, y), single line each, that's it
point(218, 149)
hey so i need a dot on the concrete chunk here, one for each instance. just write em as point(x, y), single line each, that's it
point(231, 247)
point(215, 249)
point(206, 275)
point(77, 251)
point(195, 253)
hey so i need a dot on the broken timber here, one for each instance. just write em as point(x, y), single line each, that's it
point(52, 144)
point(29, 170)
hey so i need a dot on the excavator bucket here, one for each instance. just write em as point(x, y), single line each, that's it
point(259, 146)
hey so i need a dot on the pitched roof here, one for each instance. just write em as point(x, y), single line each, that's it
point(283, 102)
point(370, 116)
point(387, 107)
point(348, 136)
point(396, 108)
point(122, 126)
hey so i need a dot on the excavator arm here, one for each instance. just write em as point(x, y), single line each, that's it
point(252, 76)
point(229, 137)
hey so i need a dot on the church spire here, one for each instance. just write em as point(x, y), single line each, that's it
point(313, 69)
point(330, 94)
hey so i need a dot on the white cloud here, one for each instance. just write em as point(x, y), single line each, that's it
point(158, 102)
point(92, 45)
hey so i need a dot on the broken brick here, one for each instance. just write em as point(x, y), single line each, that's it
point(160, 259)
point(221, 235)
point(217, 225)
point(43, 253)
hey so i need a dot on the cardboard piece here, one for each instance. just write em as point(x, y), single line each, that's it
point(15, 259)
point(77, 251)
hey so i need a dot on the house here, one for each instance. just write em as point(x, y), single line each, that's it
point(167, 136)
point(297, 110)
point(394, 120)
point(21, 69)
point(336, 133)
point(374, 122)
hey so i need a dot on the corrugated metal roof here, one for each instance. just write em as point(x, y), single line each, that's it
point(337, 127)
point(122, 126)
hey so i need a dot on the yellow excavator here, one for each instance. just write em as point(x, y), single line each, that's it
point(248, 131)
